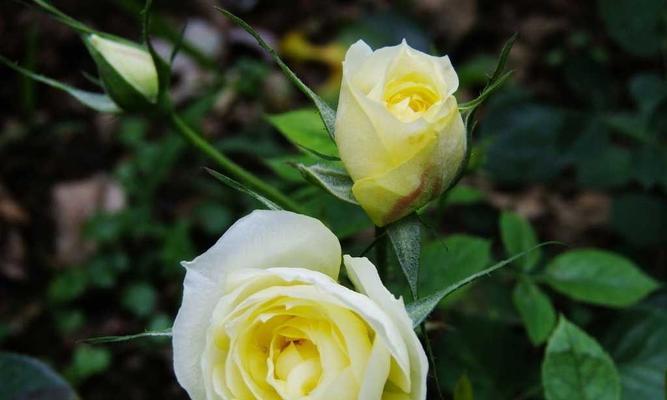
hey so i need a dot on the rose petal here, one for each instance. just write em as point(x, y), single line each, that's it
point(262, 239)
point(365, 278)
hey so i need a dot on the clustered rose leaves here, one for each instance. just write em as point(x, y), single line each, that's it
point(263, 317)
point(398, 128)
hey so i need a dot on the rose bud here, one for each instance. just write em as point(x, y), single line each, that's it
point(127, 71)
point(398, 128)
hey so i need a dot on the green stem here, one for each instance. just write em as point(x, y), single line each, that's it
point(234, 170)
point(431, 359)
point(381, 253)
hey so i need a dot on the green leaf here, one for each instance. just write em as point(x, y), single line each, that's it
point(636, 342)
point(640, 219)
point(241, 188)
point(115, 339)
point(139, 298)
point(647, 89)
point(163, 68)
point(344, 219)
point(612, 167)
point(463, 389)
point(28, 378)
point(598, 277)
point(405, 238)
point(330, 178)
point(97, 101)
point(64, 18)
point(486, 93)
point(445, 262)
point(103, 270)
point(462, 195)
point(284, 166)
point(575, 367)
point(69, 321)
point(420, 309)
point(650, 164)
point(88, 361)
point(214, 217)
point(524, 140)
point(590, 80)
point(537, 312)
point(636, 25)
point(518, 235)
point(318, 154)
point(176, 246)
point(629, 124)
point(327, 113)
point(68, 285)
point(476, 71)
point(498, 360)
point(502, 59)
point(304, 128)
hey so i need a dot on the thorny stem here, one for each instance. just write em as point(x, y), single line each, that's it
point(431, 359)
point(230, 167)
point(381, 252)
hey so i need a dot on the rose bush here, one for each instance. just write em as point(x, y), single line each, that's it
point(263, 317)
point(398, 128)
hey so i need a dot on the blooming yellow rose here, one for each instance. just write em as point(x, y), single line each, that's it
point(263, 317)
point(398, 128)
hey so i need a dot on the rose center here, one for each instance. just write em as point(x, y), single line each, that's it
point(408, 95)
point(297, 364)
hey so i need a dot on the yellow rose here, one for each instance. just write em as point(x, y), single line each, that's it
point(398, 128)
point(263, 317)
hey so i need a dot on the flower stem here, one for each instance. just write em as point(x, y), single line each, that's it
point(431, 358)
point(234, 170)
point(381, 253)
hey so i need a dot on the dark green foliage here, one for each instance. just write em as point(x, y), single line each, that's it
point(27, 378)
point(575, 367)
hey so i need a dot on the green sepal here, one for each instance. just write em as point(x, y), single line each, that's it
point(163, 67)
point(97, 101)
point(332, 179)
point(125, 338)
point(243, 189)
point(327, 114)
point(405, 238)
point(420, 309)
point(467, 109)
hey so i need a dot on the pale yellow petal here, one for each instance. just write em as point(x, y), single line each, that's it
point(365, 278)
point(399, 191)
point(377, 371)
point(266, 239)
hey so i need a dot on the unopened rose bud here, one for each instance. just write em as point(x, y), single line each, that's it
point(127, 71)
point(398, 128)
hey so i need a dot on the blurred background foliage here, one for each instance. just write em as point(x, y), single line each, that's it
point(96, 212)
